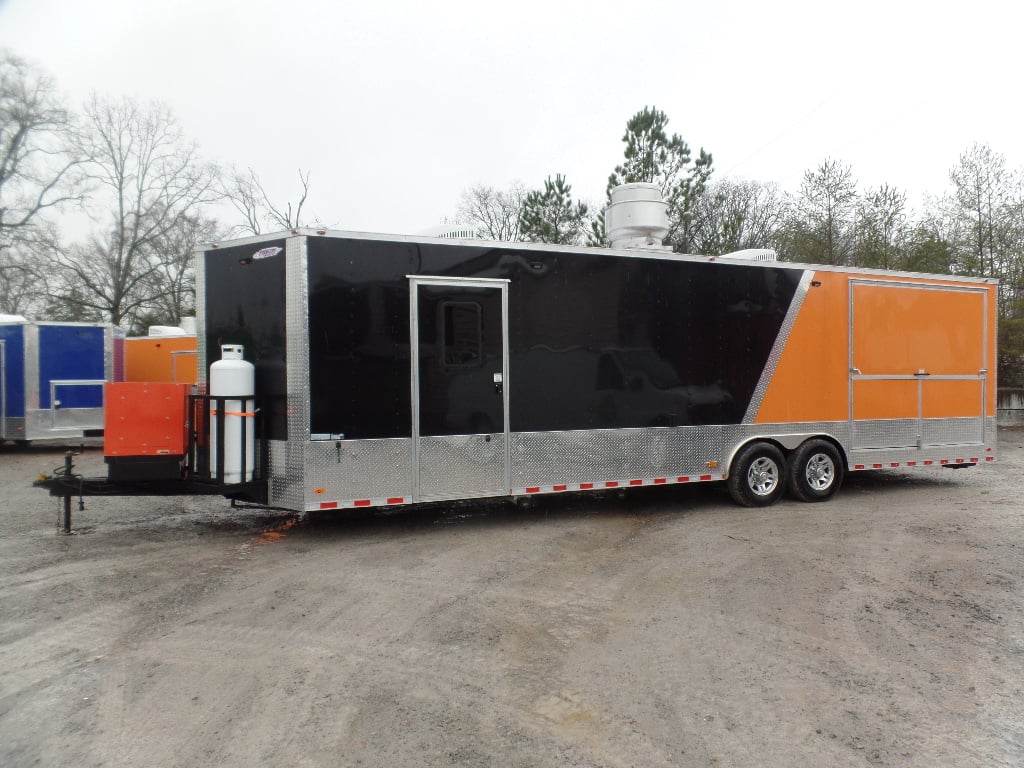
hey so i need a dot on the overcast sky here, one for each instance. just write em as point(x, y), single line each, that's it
point(397, 106)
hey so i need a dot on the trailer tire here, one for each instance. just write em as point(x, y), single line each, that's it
point(757, 477)
point(816, 471)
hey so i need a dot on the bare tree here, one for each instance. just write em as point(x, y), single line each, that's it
point(493, 212)
point(35, 167)
point(731, 215)
point(882, 230)
point(172, 287)
point(149, 179)
point(249, 197)
point(25, 281)
point(982, 207)
point(37, 175)
point(819, 227)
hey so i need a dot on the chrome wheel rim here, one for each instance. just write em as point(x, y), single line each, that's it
point(763, 476)
point(820, 472)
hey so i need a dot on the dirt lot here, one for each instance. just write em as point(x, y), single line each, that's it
point(664, 628)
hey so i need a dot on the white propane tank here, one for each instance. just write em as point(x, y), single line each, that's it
point(234, 378)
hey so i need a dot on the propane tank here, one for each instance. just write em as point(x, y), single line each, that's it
point(234, 378)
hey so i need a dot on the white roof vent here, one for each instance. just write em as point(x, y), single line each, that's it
point(166, 330)
point(453, 231)
point(637, 217)
point(752, 254)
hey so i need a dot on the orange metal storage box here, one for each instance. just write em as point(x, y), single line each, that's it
point(145, 419)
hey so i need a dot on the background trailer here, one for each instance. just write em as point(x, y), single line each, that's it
point(394, 370)
point(52, 376)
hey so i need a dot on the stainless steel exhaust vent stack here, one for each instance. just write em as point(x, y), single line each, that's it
point(637, 217)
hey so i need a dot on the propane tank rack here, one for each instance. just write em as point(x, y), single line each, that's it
point(203, 466)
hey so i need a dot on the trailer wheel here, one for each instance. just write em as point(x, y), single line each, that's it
point(816, 471)
point(757, 476)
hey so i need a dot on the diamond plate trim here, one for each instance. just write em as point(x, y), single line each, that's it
point(31, 344)
point(290, 469)
point(346, 470)
point(953, 431)
point(201, 362)
point(558, 458)
point(777, 348)
point(885, 433)
point(357, 473)
point(285, 490)
point(462, 466)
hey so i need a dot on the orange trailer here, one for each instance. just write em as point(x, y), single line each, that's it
point(161, 358)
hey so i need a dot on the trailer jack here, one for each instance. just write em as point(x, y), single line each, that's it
point(67, 474)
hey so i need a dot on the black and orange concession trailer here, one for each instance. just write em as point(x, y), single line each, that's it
point(394, 370)
point(397, 370)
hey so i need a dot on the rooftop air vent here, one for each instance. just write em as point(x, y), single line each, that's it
point(637, 217)
point(752, 254)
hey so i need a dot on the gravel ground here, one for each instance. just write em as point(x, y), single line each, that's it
point(665, 627)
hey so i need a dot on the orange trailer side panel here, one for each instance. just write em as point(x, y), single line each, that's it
point(900, 327)
point(161, 358)
point(811, 378)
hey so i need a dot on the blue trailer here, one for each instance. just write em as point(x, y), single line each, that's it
point(52, 376)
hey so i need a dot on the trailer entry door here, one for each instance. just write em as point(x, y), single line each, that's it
point(459, 338)
point(917, 364)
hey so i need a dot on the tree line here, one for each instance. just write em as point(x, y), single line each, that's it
point(140, 194)
point(136, 192)
point(974, 228)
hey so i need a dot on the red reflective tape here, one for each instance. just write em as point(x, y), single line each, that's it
point(943, 461)
point(988, 450)
point(363, 502)
point(611, 484)
point(396, 500)
point(705, 477)
point(586, 486)
point(911, 463)
point(876, 466)
point(975, 460)
point(928, 463)
point(858, 466)
point(636, 482)
point(894, 464)
point(535, 489)
point(660, 480)
point(683, 479)
point(328, 505)
point(990, 458)
point(561, 487)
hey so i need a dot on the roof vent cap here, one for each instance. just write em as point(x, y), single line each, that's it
point(637, 217)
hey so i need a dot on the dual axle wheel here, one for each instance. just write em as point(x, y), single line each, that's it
point(760, 473)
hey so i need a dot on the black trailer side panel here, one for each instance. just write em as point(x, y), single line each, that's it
point(596, 341)
point(245, 304)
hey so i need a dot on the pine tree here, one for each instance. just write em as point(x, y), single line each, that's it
point(552, 216)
